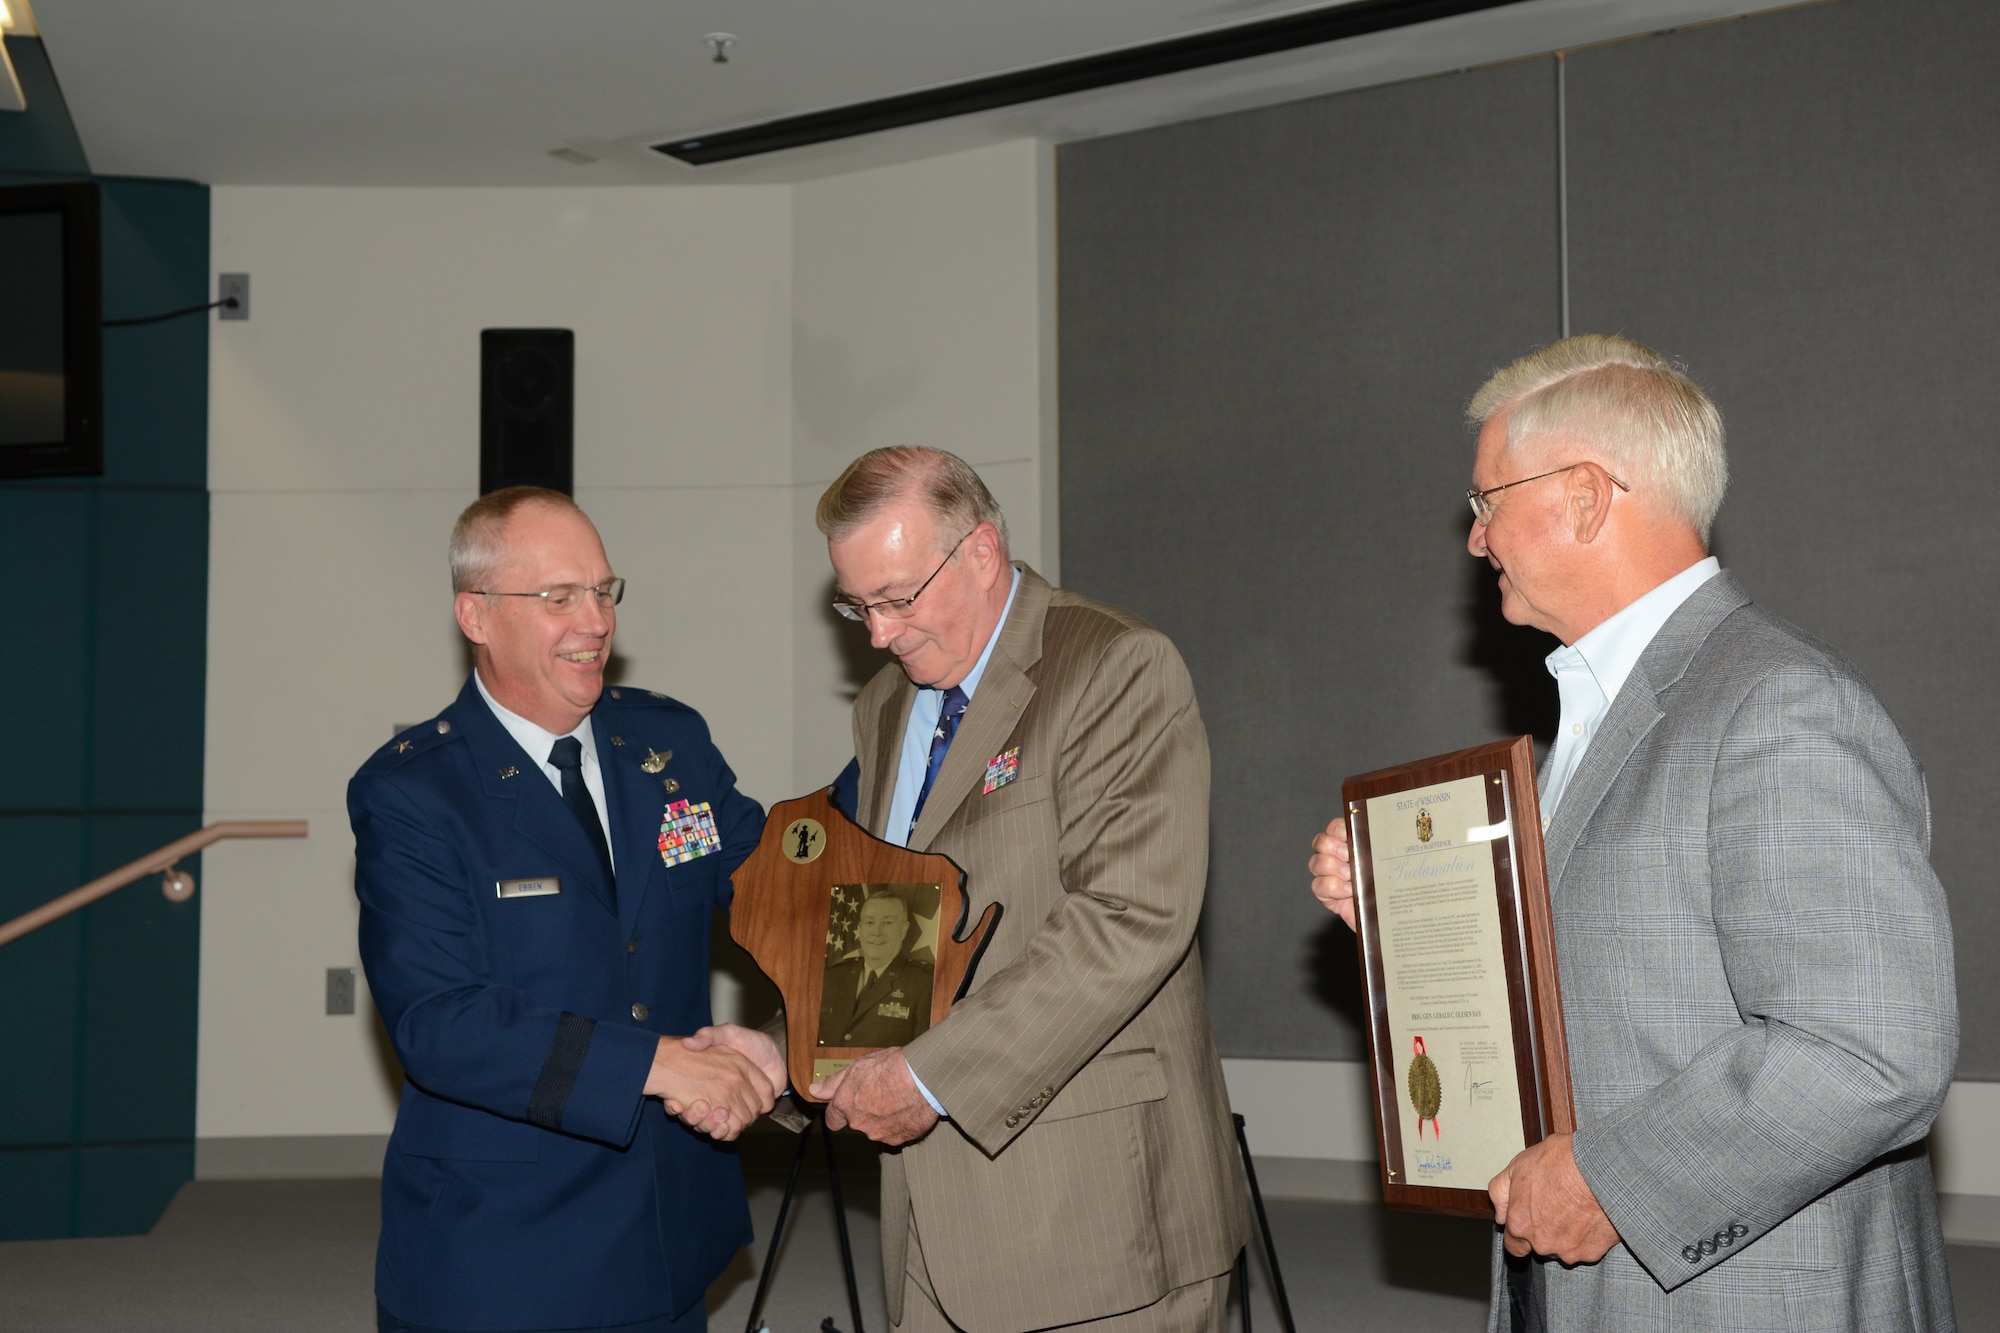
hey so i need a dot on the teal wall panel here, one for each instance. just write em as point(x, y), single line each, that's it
point(151, 650)
point(137, 1075)
point(155, 239)
point(45, 551)
point(38, 990)
point(101, 759)
point(122, 1190)
point(39, 1186)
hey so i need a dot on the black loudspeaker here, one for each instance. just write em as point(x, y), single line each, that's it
point(527, 404)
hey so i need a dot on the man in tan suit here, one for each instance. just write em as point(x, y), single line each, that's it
point(1050, 745)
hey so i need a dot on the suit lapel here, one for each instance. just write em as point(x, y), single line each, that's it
point(878, 770)
point(1004, 692)
point(1634, 713)
point(867, 993)
point(538, 814)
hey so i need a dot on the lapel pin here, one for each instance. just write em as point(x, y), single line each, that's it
point(403, 746)
point(655, 761)
point(509, 771)
point(671, 785)
point(617, 740)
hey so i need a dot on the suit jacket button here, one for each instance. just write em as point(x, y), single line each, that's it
point(1013, 1120)
point(633, 945)
point(639, 1012)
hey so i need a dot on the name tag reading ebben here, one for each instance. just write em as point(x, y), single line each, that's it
point(528, 888)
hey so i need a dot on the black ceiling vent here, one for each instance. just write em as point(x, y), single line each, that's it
point(1267, 37)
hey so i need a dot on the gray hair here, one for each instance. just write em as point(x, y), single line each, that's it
point(1646, 421)
point(957, 499)
point(476, 546)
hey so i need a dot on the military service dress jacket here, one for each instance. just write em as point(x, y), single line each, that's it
point(1089, 1165)
point(890, 1010)
point(528, 1184)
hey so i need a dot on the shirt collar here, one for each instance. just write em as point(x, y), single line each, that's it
point(1610, 651)
point(971, 681)
point(534, 739)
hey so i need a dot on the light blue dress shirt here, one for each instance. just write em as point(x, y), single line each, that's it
point(922, 726)
point(1590, 672)
point(925, 711)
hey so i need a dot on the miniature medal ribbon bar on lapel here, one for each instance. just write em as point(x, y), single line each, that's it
point(1002, 769)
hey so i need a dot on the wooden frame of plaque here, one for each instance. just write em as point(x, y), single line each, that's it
point(1452, 914)
point(812, 862)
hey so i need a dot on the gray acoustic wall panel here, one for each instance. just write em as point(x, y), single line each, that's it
point(1805, 207)
point(1269, 324)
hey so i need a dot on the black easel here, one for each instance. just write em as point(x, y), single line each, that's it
point(817, 1121)
point(1270, 1250)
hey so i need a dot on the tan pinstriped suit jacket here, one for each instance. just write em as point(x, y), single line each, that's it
point(1088, 1166)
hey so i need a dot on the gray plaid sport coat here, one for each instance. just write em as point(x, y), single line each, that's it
point(1757, 982)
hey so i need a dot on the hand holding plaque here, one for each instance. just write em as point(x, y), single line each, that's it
point(1449, 900)
point(861, 937)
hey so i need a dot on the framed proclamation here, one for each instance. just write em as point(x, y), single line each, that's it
point(864, 939)
point(1465, 1032)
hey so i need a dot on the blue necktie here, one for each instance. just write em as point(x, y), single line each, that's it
point(947, 727)
point(567, 755)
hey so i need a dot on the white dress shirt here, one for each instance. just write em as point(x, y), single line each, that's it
point(538, 742)
point(1590, 672)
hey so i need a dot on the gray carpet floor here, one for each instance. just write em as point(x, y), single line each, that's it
point(253, 1256)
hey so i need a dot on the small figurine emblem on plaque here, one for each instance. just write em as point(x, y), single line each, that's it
point(805, 839)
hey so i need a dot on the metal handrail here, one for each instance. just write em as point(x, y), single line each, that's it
point(176, 884)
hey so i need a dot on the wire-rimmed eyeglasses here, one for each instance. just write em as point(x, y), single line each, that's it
point(895, 608)
point(1482, 508)
point(566, 599)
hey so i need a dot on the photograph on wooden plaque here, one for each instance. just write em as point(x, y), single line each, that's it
point(881, 952)
point(869, 943)
point(1466, 1048)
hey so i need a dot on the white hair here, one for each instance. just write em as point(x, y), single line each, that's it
point(1644, 419)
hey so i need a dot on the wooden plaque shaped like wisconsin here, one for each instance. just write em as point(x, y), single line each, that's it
point(867, 941)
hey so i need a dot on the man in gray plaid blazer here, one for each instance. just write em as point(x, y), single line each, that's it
point(1087, 1172)
point(1755, 957)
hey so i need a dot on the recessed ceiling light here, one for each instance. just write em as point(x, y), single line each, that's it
point(574, 156)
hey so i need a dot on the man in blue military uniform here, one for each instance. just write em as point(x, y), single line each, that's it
point(537, 868)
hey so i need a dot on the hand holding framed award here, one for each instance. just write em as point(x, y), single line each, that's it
point(867, 942)
point(1466, 1047)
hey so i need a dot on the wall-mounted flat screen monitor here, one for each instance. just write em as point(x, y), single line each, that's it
point(50, 314)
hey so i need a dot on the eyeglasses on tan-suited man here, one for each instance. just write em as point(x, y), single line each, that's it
point(897, 608)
